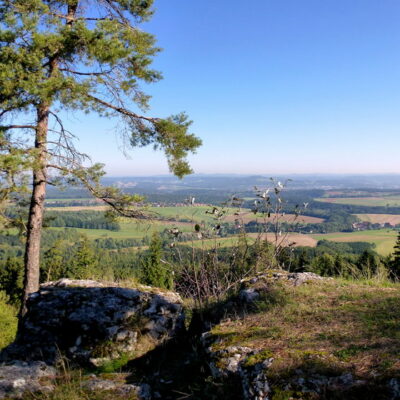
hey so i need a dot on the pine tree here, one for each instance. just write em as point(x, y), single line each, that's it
point(11, 278)
point(394, 264)
point(368, 264)
point(75, 55)
point(154, 272)
point(54, 263)
point(324, 265)
point(84, 262)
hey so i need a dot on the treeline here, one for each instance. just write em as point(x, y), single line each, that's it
point(62, 257)
point(318, 208)
point(81, 219)
point(346, 260)
point(71, 203)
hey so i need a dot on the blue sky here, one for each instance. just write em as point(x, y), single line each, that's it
point(273, 86)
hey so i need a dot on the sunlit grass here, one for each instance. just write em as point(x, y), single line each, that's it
point(336, 324)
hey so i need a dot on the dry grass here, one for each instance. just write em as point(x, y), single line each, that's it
point(69, 385)
point(327, 327)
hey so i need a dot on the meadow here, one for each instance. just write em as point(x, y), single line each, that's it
point(295, 239)
point(196, 214)
point(132, 229)
point(384, 239)
point(325, 328)
point(203, 214)
point(381, 201)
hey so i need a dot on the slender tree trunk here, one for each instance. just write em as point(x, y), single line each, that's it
point(34, 228)
point(36, 210)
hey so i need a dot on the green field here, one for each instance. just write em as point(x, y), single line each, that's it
point(190, 213)
point(194, 214)
point(213, 243)
point(133, 230)
point(383, 201)
point(70, 200)
point(384, 239)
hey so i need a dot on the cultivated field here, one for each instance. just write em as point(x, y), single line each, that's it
point(201, 213)
point(194, 214)
point(132, 229)
point(384, 239)
point(293, 239)
point(289, 218)
point(212, 243)
point(284, 240)
point(382, 201)
point(392, 219)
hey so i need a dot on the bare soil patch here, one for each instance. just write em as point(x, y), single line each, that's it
point(392, 219)
point(288, 239)
point(289, 218)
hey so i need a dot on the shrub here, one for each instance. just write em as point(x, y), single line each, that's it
point(8, 321)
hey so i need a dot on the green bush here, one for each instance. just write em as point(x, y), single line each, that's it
point(8, 321)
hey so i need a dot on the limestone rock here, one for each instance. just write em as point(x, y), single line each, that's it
point(96, 384)
point(238, 361)
point(18, 377)
point(92, 323)
point(293, 278)
point(249, 295)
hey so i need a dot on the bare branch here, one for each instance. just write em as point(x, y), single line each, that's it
point(7, 127)
point(122, 110)
point(71, 19)
point(85, 73)
point(121, 210)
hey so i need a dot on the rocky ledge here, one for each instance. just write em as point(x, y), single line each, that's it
point(19, 377)
point(91, 323)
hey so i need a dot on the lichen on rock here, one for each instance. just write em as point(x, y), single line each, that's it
point(17, 378)
point(91, 323)
point(247, 365)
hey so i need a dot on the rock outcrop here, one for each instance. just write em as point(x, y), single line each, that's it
point(18, 378)
point(253, 287)
point(247, 365)
point(91, 323)
point(116, 387)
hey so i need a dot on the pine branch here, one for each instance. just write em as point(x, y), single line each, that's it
point(8, 127)
point(84, 73)
point(122, 110)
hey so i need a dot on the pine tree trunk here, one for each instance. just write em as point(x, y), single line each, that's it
point(35, 221)
point(36, 210)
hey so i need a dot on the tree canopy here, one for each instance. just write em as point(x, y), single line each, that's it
point(69, 55)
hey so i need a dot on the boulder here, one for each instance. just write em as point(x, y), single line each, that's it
point(117, 388)
point(91, 323)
